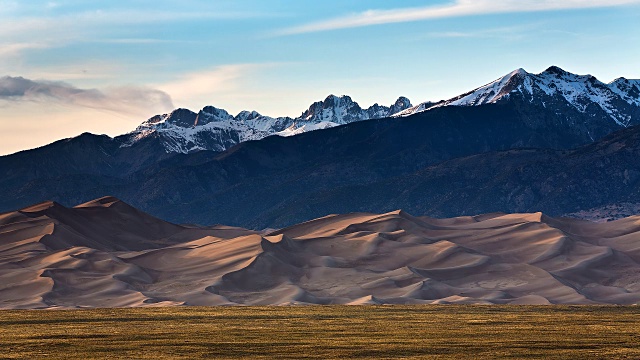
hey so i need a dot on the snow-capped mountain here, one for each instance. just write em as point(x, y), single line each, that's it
point(184, 131)
point(591, 107)
point(556, 90)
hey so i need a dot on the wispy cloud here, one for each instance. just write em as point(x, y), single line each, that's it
point(15, 49)
point(507, 32)
point(203, 87)
point(457, 8)
point(130, 100)
point(95, 25)
point(141, 41)
point(69, 22)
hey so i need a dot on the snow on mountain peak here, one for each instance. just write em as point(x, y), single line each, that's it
point(247, 115)
point(340, 110)
point(554, 85)
point(210, 114)
point(492, 92)
point(414, 109)
point(628, 90)
point(215, 129)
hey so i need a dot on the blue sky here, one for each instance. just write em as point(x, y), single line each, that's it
point(105, 66)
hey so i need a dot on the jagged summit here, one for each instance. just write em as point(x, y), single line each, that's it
point(554, 70)
point(340, 110)
point(555, 87)
point(211, 114)
point(401, 104)
point(248, 115)
point(343, 110)
point(571, 97)
point(212, 128)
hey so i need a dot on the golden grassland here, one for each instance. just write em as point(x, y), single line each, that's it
point(323, 332)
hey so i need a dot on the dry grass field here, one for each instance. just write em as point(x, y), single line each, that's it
point(323, 332)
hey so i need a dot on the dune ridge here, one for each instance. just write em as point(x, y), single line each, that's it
point(105, 253)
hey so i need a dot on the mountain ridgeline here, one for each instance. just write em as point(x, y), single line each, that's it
point(587, 104)
point(553, 142)
point(184, 131)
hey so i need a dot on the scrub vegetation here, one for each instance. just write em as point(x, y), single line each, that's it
point(322, 332)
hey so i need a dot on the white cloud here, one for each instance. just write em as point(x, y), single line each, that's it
point(458, 8)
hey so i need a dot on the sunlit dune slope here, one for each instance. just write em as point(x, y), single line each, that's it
point(106, 253)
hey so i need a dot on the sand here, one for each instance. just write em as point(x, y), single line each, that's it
point(106, 253)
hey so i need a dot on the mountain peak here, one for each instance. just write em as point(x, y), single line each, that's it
point(343, 110)
point(215, 129)
point(584, 93)
point(554, 70)
point(519, 71)
point(247, 115)
point(402, 102)
point(333, 101)
point(333, 98)
point(182, 117)
point(210, 114)
point(339, 110)
point(491, 92)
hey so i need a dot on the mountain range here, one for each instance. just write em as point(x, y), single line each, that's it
point(184, 131)
point(105, 253)
point(558, 90)
point(211, 128)
point(553, 142)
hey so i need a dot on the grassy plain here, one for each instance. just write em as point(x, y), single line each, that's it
point(323, 332)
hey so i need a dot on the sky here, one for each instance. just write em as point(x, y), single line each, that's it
point(68, 67)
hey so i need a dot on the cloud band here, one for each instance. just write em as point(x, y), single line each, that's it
point(127, 99)
point(458, 8)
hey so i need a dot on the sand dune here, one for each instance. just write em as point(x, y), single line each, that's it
point(106, 253)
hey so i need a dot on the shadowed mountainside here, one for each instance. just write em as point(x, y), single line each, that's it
point(441, 162)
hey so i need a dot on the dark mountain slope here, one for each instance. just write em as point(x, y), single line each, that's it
point(393, 164)
point(555, 182)
point(368, 165)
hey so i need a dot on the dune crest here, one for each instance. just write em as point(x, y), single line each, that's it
point(105, 253)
